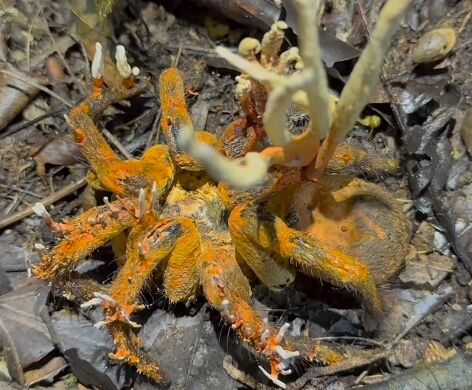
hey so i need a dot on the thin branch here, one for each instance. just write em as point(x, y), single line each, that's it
point(50, 199)
point(110, 137)
point(39, 86)
point(361, 84)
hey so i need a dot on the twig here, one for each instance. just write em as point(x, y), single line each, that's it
point(87, 66)
point(48, 200)
point(19, 189)
point(360, 377)
point(352, 338)
point(117, 144)
point(155, 131)
point(437, 300)
point(19, 126)
point(62, 44)
point(39, 86)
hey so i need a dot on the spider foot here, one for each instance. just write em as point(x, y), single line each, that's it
point(280, 359)
point(269, 342)
point(114, 311)
point(128, 350)
point(40, 210)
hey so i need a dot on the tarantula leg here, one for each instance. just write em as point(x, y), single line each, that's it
point(254, 229)
point(109, 171)
point(150, 242)
point(228, 291)
point(347, 156)
point(255, 245)
point(128, 348)
point(360, 217)
point(175, 118)
point(239, 137)
point(83, 235)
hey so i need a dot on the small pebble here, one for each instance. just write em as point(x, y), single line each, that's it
point(434, 45)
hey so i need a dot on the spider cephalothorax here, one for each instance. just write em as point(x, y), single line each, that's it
point(173, 216)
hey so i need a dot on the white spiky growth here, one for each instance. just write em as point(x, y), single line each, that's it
point(100, 298)
point(98, 62)
point(124, 69)
point(287, 356)
point(67, 119)
point(273, 379)
point(142, 204)
point(40, 210)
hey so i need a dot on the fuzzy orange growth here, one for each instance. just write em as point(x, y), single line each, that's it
point(80, 138)
point(83, 235)
point(128, 350)
point(88, 137)
point(317, 258)
point(173, 105)
point(182, 274)
point(98, 85)
point(254, 236)
point(227, 289)
point(239, 138)
point(175, 118)
point(149, 242)
point(346, 156)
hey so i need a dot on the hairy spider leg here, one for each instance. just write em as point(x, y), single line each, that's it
point(128, 345)
point(346, 156)
point(172, 241)
point(361, 217)
point(240, 137)
point(255, 229)
point(176, 118)
point(151, 242)
point(83, 235)
point(108, 171)
point(128, 350)
point(228, 291)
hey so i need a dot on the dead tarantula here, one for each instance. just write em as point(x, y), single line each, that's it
point(349, 232)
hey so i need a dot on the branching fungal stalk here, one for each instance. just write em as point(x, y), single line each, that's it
point(362, 82)
point(306, 86)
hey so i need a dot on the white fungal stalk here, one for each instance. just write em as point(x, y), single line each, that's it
point(124, 68)
point(100, 299)
point(239, 173)
point(363, 81)
point(98, 62)
point(307, 87)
